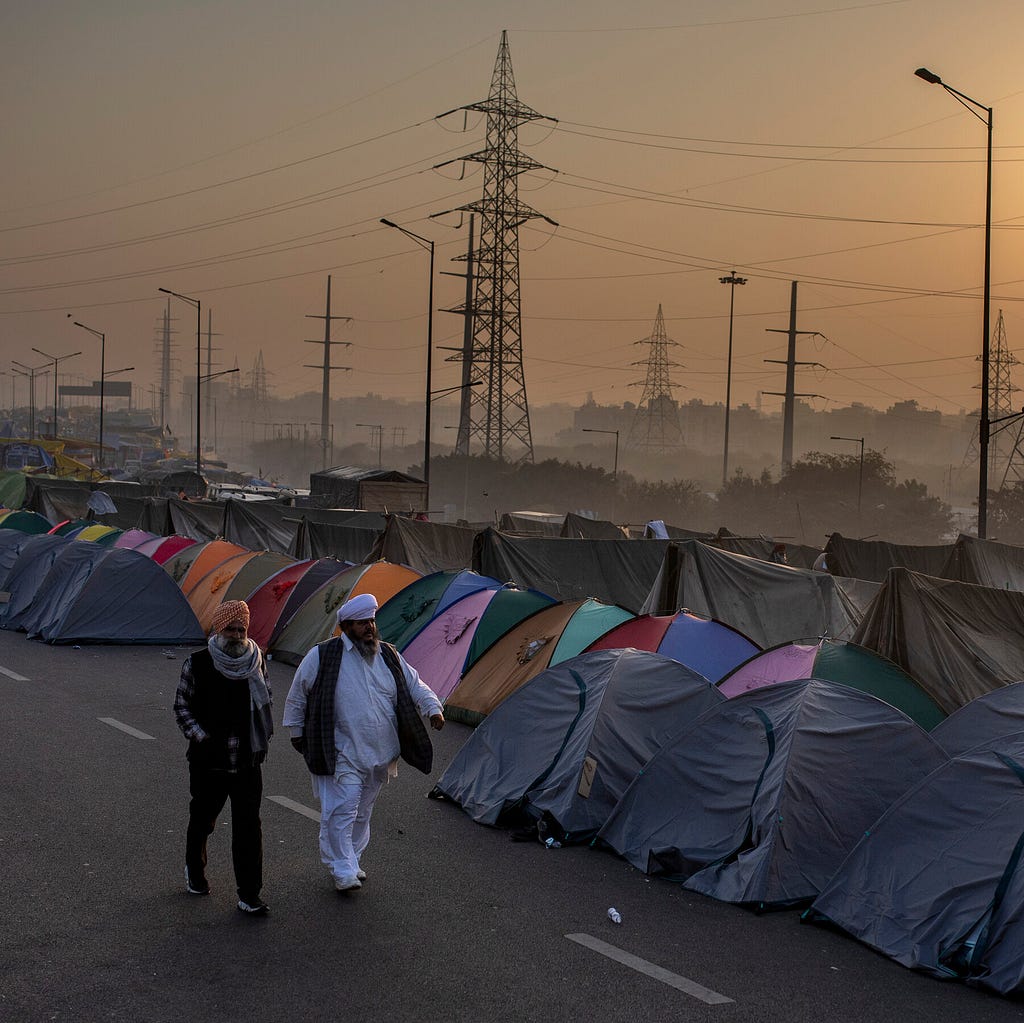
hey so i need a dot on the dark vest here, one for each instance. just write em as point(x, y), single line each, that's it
point(318, 729)
point(222, 707)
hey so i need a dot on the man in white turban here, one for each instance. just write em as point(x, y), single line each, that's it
point(355, 705)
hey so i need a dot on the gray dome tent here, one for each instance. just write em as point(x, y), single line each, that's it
point(760, 800)
point(567, 744)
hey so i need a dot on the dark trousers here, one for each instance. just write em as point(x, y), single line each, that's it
point(210, 790)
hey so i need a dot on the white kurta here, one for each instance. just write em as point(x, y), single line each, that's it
point(366, 741)
point(365, 731)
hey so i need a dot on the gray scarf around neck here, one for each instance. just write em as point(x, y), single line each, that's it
point(248, 666)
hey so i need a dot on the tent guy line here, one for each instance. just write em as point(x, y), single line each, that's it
point(127, 729)
point(689, 987)
point(13, 675)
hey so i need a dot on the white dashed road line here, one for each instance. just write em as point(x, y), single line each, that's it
point(689, 987)
point(114, 723)
point(290, 804)
point(13, 675)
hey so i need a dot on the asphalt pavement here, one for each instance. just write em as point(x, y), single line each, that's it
point(455, 921)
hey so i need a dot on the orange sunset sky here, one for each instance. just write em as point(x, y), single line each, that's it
point(240, 152)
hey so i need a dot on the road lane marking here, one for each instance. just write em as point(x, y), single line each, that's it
point(13, 674)
point(689, 987)
point(114, 723)
point(290, 804)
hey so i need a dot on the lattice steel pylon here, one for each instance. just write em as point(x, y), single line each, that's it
point(1006, 459)
point(498, 413)
point(656, 423)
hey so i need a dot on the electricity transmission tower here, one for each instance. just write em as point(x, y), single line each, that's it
point(326, 443)
point(496, 414)
point(656, 423)
point(166, 362)
point(1006, 447)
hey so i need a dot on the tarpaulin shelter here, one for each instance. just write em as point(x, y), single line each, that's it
point(201, 520)
point(567, 744)
point(985, 562)
point(937, 883)
point(315, 620)
point(768, 603)
point(414, 605)
point(379, 490)
point(344, 540)
point(531, 523)
point(31, 566)
point(267, 601)
point(836, 661)
point(872, 559)
point(615, 571)
point(548, 636)
point(764, 548)
point(319, 574)
point(26, 521)
point(956, 640)
point(709, 647)
point(578, 527)
point(424, 546)
point(983, 720)
point(761, 799)
point(98, 595)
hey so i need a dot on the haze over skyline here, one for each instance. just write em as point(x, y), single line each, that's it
point(241, 152)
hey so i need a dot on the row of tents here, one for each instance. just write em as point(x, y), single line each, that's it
point(812, 793)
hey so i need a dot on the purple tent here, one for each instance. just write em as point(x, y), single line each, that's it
point(439, 650)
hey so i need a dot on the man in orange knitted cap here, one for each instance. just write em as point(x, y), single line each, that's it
point(223, 708)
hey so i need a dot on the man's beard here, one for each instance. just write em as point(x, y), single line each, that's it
point(233, 647)
point(367, 647)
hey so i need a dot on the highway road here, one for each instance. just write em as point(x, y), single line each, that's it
point(455, 921)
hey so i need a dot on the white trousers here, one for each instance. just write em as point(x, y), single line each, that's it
point(346, 803)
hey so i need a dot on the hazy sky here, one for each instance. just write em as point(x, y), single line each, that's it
point(241, 151)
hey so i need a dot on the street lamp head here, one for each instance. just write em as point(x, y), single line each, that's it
point(389, 223)
point(929, 76)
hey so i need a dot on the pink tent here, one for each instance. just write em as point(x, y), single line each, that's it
point(131, 538)
point(438, 652)
point(168, 547)
point(780, 664)
point(267, 601)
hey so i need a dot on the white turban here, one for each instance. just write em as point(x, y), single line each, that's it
point(358, 609)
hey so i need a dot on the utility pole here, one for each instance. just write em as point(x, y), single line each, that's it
point(209, 362)
point(325, 399)
point(790, 394)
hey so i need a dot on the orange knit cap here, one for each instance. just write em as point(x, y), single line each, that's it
point(228, 612)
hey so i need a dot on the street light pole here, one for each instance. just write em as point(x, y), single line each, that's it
point(55, 359)
point(103, 355)
point(860, 477)
point(30, 372)
point(984, 424)
point(732, 280)
point(424, 243)
point(199, 374)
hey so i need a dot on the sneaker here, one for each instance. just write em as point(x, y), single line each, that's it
point(256, 907)
point(361, 875)
point(348, 884)
point(196, 885)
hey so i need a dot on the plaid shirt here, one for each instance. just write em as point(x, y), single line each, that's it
point(237, 738)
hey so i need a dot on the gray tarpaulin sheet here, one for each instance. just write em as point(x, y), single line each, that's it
point(198, 520)
point(871, 559)
point(425, 546)
point(987, 563)
point(769, 604)
point(956, 640)
point(581, 528)
point(614, 571)
point(333, 540)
